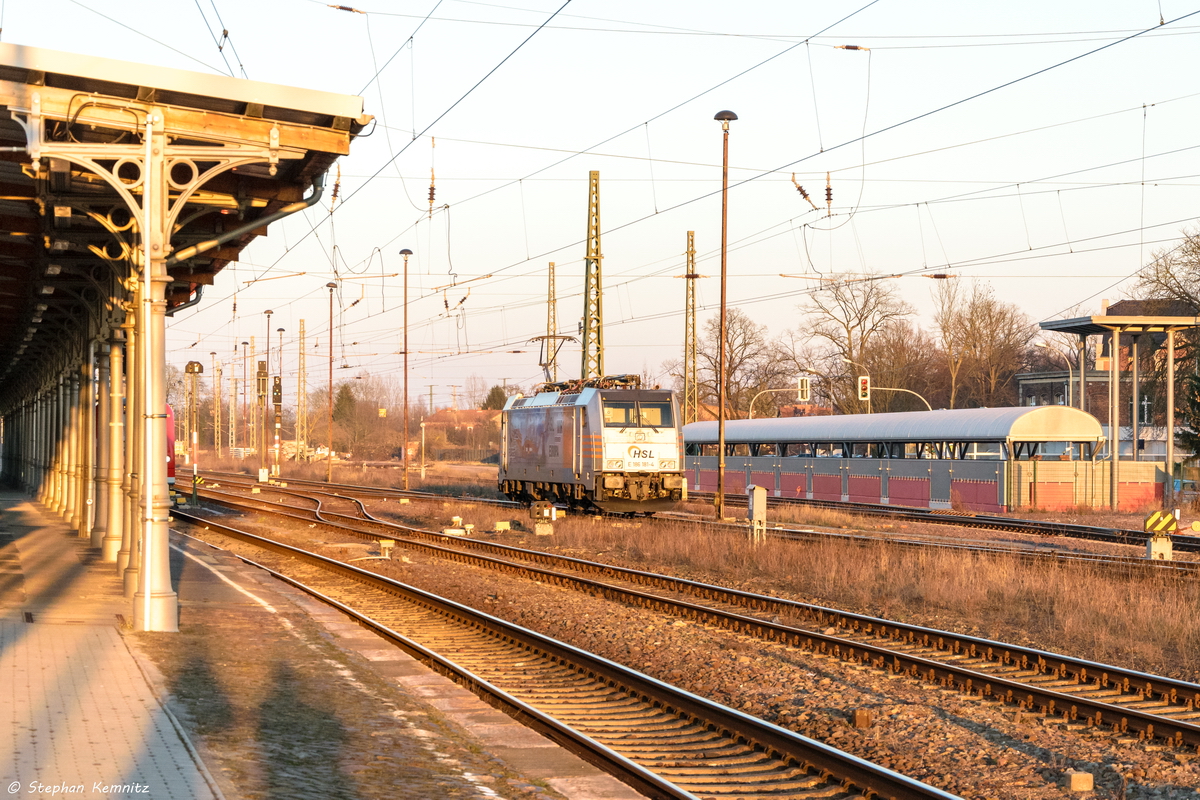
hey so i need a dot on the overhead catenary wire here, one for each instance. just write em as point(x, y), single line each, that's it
point(1026, 182)
point(877, 132)
point(144, 35)
point(611, 138)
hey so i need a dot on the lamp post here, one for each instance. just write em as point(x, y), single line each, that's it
point(245, 427)
point(406, 253)
point(867, 371)
point(1070, 372)
point(193, 369)
point(277, 400)
point(266, 408)
point(724, 117)
point(329, 455)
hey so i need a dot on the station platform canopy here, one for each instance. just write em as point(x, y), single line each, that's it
point(1017, 424)
point(71, 129)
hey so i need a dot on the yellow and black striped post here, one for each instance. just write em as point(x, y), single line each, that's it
point(1161, 522)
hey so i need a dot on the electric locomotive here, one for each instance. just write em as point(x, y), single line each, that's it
point(604, 443)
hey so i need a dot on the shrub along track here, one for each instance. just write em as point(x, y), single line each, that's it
point(663, 741)
point(1083, 694)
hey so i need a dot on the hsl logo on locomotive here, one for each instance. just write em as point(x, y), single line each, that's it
point(637, 452)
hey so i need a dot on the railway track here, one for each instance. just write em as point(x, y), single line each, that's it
point(1077, 691)
point(1128, 563)
point(665, 742)
point(1181, 542)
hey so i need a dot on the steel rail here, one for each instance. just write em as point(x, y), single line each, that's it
point(1180, 697)
point(1182, 568)
point(1181, 542)
point(831, 764)
point(350, 488)
point(1064, 557)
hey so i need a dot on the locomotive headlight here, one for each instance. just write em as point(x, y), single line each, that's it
point(672, 481)
point(666, 464)
point(614, 463)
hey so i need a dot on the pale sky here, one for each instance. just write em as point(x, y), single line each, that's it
point(1054, 188)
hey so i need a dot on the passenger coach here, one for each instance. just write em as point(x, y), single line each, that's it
point(978, 459)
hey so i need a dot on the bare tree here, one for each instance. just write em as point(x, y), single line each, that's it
point(849, 313)
point(905, 358)
point(847, 316)
point(1173, 277)
point(952, 333)
point(1173, 274)
point(474, 391)
point(753, 362)
point(998, 336)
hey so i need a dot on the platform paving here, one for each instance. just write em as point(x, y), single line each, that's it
point(82, 720)
point(264, 692)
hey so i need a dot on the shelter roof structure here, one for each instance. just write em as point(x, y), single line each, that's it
point(1017, 424)
point(1091, 326)
point(240, 151)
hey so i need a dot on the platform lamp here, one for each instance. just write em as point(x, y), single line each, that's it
point(193, 369)
point(724, 117)
point(264, 426)
point(406, 253)
point(329, 455)
point(277, 400)
point(245, 427)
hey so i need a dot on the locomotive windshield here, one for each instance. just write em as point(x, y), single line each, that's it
point(638, 414)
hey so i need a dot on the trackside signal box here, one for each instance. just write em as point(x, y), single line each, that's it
point(756, 512)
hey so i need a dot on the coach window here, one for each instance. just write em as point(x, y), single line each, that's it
point(984, 451)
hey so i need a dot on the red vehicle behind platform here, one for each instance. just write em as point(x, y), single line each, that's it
point(170, 447)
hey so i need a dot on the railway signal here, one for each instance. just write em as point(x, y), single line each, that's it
point(864, 387)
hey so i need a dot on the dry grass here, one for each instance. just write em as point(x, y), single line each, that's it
point(1143, 622)
point(441, 478)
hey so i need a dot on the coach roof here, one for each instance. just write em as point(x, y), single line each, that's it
point(1018, 424)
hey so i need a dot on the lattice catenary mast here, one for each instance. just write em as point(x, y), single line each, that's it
point(302, 405)
point(593, 308)
point(252, 430)
point(217, 402)
point(691, 386)
point(551, 327)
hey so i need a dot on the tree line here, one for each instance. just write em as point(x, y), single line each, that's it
point(968, 356)
point(977, 346)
